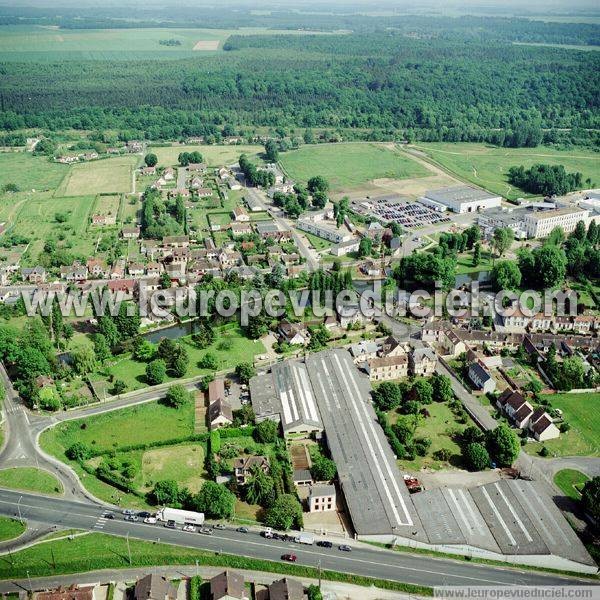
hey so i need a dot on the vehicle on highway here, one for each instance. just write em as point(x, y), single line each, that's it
point(220, 526)
point(242, 530)
point(267, 533)
point(324, 544)
point(189, 528)
point(108, 515)
point(170, 525)
point(345, 548)
point(289, 557)
point(305, 538)
point(144, 514)
point(150, 520)
point(132, 518)
point(128, 511)
point(182, 517)
point(205, 530)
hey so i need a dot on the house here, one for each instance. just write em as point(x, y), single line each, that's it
point(321, 498)
point(126, 287)
point(74, 272)
point(220, 414)
point(176, 241)
point(118, 270)
point(283, 589)
point(228, 585)
point(197, 168)
point(168, 174)
point(90, 156)
point(216, 390)
point(422, 362)
point(516, 407)
point(97, 268)
point(542, 427)
point(239, 229)
point(204, 192)
point(134, 146)
point(103, 220)
point(196, 183)
point(363, 351)
point(385, 368)
point(345, 247)
point(148, 171)
point(350, 315)
point(481, 377)
point(230, 258)
point(392, 347)
point(154, 587)
point(33, 275)
point(72, 592)
point(130, 233)
point(240, 214)
point(294, 333)
point(244, 467)
point(370, 269)
point(135, 269)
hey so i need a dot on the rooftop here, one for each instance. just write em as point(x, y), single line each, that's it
point(459, 193)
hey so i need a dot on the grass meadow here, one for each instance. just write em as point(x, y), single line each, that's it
point(571, 482)
point(216, 156)
point(111, 175)
point(31, 479)
point(349, 165)
point(30, 172)
point(487, 166)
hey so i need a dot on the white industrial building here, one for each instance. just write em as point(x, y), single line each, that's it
point(461, 199)
point(319, 224)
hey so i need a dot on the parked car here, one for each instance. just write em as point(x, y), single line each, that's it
point(132, 518)
point(220, 526)
point(150, 520)
point(242, 530)
point(205, 530)
point(189, 528)
point(128, 511)
point(289, 557)
point(324, 544)
point(345, 548)
point(170, 524)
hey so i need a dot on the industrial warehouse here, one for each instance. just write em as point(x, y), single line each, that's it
point(506, 520)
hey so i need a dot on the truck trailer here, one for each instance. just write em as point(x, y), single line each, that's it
point(181, 517)
point(305, 538)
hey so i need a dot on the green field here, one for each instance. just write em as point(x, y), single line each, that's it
point(30, 479)
point(142, 424)
point(50, 43)
point(217, 156)
point(571, 482)
point(487, 166)
point(582, 412)
point(30, 172)
point(349, 165)
point(107, 175)
point(10, 528)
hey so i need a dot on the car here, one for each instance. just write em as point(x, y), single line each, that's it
point(132, 518)
point(242, 530)
point(144, 514)
point(324, 544)
point(289, 557)
point(189, 528)
point(267, 534)
point(108, 515)
point(345, 548)
point(170, 524)
point(205, 530)
point(128, 511)
point(150, 520)
point(220, 526)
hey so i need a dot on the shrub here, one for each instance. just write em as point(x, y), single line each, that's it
point(78, 451)
point(476, 457)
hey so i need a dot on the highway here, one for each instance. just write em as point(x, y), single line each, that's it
point(363, 560)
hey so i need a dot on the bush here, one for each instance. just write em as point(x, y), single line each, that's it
point(442, 454)
point(195, 585)
point(156, 371)
point(266, 432)
point(78, 451)
point(215, 441)
point(177, 396)
point(476, 457)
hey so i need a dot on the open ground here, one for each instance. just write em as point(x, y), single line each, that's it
point(112, 175)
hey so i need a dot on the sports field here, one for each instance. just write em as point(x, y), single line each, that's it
point(488, 166)
point(30, 172)
point(108, 175)
point(50, 43)
point(349, 165)
point(217, 156)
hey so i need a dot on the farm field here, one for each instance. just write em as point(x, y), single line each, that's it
point(107, 205)
point(30, 479)
point(216, 156)
point(487, 166)
point(349, 165)
point(112, 175)
point(30, 172)
point(582, 412)
point(39, 43)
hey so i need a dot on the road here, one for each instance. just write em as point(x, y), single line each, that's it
point(363, 560)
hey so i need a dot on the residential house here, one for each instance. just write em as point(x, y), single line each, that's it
point(240, 214)
point(135, 269)
point(154, 587)
point(371, 269)
point(148, 171)
point(386, 368)
point(197, 168)
point(363, 351)
point(196, 183)
point(350, 315)
point(283, 589)
point(228, 585)
point(153, 269)
point(321, 498)
point(345, 247)
point(244, 467)
point(103, 220)
point(32, 275)
point(118, 270)
point(220, 414)
point(422, 362)
point(168, 174)
point(134, 146)
point(516, 407)
point(176, 241)
point(97, 268)
point(294, 333)
point(239, 229)
point(125, 287)
point(130, 233)
point(481, 377)
point(74, 272)
point(216, 390)
point(72, 592)
point(542, 427)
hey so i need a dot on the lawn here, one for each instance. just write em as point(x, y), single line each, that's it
point(216, 156)
point(31, 479)
point(141, 424)
point(10, 528)
point(107, 205)
point(487, 166)
point(349, 165)
point(464, 263)
point(437, 427)
point(111, 175)
point(30, 172)
point(315, 241)
point(571, 482)
point(582, 412)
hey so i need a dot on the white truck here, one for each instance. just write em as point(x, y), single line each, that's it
point(305, 538)
point(181, 517)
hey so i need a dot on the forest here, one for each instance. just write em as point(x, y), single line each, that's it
point(431, 90)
